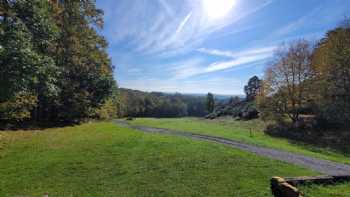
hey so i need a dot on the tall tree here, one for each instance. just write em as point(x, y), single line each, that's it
point(252, 88)
point(54, 64)
point(28, 71)
point(210, 103)
point(331, 63)
point(37, 16)
point(287, 80)
point(86, 78)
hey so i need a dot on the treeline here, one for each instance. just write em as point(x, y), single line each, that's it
point(133, 103)
point(236, 107)
point(310, 82)
point(54, 64)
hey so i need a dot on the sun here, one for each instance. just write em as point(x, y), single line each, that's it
point(216, 9)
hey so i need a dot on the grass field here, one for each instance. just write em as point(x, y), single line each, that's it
point(103, 159)
point(240, 130)
point(339, 190)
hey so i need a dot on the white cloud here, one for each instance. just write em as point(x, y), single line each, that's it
point(165, 26)
point(326, 12)
point(183, 23)
point(197, 66)
point(219, 85)
point(187, 68)
point(249, 52)
point(216, 52)
point(151, 32)
point(217, 66)
point(300, 22)
point(167, 8)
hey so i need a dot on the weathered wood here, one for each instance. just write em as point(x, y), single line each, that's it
point(287, 187)
point(289, 190)
point(306, 180)
point(281, 188)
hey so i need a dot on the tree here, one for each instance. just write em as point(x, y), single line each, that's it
point(331, 64)
point(28, 72)
point(53, 61)
point(155, 104)
point(38, 19)
point(86, 77)
point(109, 108)
point(252, 88)
point(210, 103)
point(287, 80)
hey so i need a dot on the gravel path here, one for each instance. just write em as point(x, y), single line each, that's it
point(319, 165)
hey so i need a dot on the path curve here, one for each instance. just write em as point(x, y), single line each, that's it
point(319, 165)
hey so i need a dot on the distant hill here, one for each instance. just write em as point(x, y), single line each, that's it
point(217, 96)
point(137, 103)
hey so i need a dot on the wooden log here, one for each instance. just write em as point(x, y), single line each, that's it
point(281, 188)
point(289, 190)
point(295, 181)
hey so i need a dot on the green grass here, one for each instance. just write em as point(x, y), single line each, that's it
point(103, 159)
point(338, 190)
point(240, 130)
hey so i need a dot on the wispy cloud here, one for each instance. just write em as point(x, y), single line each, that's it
point(170, 45)
point(330, 11)
point(256, 51)
point(167, 8)
point(195, 67)
point(213, 85)
point(300, 22)
point(167, 27)
point(183, 23)
point(217, 66)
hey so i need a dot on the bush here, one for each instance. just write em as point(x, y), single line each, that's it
point(129, 118)
point(108, 110)
point(18, 107)
point(244, 110)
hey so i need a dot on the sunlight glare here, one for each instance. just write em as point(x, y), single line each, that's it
point(216, 9)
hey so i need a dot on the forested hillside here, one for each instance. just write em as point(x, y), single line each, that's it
point(54, 64)
point(155, 104)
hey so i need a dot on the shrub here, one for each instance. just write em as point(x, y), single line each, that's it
point(18, 108)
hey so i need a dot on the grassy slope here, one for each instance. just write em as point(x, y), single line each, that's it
point(102, 159)
point(239, 130)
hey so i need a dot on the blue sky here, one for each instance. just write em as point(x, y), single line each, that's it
point(200, 46)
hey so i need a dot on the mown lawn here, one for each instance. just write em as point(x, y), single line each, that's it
point(103, 159)
point(240, 130)
point(338, 190)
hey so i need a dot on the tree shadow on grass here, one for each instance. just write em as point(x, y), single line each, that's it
point(317, 140)
point(30, 125)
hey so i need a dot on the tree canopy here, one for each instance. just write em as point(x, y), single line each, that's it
point(306, 79)
point(142, 104)
point(331, 64)
point(54, 63)
point(252, 88)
